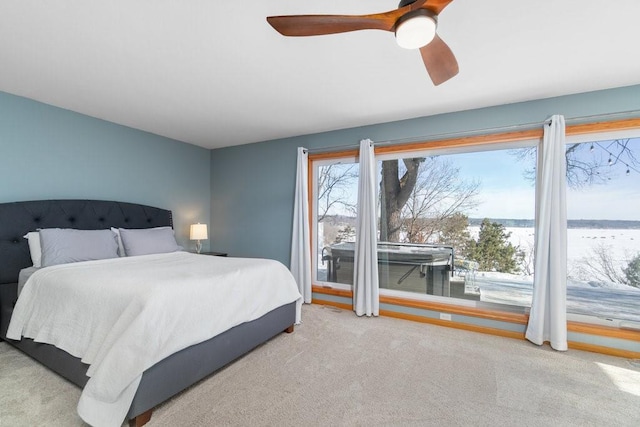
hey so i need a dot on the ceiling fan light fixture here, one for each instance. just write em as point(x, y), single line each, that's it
point(416, 29)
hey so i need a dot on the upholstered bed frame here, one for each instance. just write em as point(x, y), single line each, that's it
point(169, 376)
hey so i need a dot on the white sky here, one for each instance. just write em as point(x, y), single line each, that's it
point(507, 192)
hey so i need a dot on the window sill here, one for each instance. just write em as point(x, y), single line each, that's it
point(492, 315)
point(435, 306)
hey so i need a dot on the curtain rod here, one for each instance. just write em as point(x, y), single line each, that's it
point(498, 129)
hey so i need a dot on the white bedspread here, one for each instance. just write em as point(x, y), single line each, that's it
point(123, 315)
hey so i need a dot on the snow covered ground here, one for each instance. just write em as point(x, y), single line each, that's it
point(589, 297)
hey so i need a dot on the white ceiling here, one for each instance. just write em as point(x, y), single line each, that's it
point(214, 73)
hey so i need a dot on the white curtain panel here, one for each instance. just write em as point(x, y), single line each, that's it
point(301, 236)
point(548, 317)
point(365, 275)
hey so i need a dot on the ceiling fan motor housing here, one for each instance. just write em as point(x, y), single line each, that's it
point(404, 3)
point(416, 28)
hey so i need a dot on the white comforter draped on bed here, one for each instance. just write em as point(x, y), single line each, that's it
point(123, 315)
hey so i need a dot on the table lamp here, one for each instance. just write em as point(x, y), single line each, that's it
point(198, 232)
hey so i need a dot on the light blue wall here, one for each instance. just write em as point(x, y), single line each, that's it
point(49, 153)
point(252, 185)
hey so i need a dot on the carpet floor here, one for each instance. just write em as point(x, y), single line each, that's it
point(340, 370)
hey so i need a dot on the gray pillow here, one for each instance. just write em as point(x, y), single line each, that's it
point(65, 245)
point(146, 241)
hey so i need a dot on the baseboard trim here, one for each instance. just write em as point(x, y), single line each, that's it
point(604, 350)
point(455, 325)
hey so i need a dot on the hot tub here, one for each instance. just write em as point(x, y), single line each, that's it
point(401, 266)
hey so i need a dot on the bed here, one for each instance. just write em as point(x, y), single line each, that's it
point(168, 376)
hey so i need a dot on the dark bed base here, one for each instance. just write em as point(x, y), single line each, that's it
point(169, 376)
point(178, 371)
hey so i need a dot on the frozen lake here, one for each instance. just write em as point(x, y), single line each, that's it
point(622, 243)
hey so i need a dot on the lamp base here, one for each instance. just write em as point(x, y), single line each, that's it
point(198, 246)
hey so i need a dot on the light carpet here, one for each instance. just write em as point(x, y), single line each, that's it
point(340, 370)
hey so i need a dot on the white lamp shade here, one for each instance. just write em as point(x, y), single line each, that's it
point(198, 232)
point(416, 32)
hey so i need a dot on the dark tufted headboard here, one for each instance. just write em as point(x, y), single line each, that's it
point(18, 218)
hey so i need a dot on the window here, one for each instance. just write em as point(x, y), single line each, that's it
point(451, 223)
point(456, 224)
point(603, 235)
point(456, 221)
point(335, 195)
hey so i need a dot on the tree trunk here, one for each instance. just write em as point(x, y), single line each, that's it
point(395, 192)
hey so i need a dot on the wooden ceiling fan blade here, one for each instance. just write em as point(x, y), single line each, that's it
point(436, 6)
point(439, 60)
point(316, 25)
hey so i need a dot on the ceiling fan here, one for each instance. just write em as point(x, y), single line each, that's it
point(414, 23)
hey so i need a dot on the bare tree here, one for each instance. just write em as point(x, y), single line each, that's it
point(454, 232)
point(588, 163)
point(335, 182)
point(439, 193)
point(526, 258)
point(601, 266)
point(417, 198)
